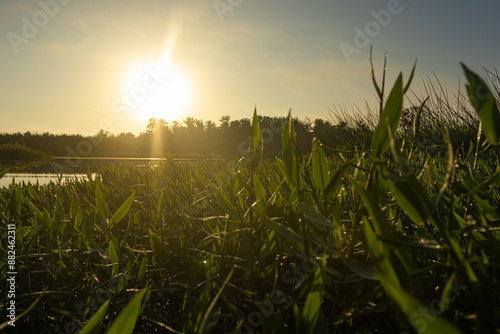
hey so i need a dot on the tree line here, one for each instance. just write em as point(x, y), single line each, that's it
point(194, 137)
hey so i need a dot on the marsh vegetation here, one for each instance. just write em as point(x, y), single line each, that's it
point(399, 234)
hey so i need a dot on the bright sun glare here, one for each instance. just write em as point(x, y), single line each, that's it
point(160, 90)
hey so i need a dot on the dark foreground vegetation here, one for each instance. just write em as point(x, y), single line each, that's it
point(399, 236)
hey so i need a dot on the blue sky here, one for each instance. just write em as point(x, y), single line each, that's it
point(71, 74)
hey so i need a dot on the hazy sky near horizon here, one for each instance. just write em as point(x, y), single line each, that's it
point(72, 66)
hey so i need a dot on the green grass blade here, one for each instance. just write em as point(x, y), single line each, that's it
point(198, 310)
point(2, 173)
point(57, 215)
point(113, 258)
point(102, 208)
point(26, 311)
point(144, 265)
point(289, 157)
point(37, 211)
point(256, 148)
point(372, 73)
point(360, 269)
point(413, 309)
point(320, 175)
point(75, 205)
point(380, 224)
point(416, 120)
point(94, 325)
point(312, 307)
point(260, 191)
point(315, 217)
point(336, 180)
point(125, 322)
point(283, 231)
point(47, 220)
point(391, 114)
point(405, 191)
point(407, 86)
point(225, 203)
point(15, 200)
point(484, 102)
point(122, 210)
point(207, 325)
point(380, 257)
point(492, 179)
point(385, 231)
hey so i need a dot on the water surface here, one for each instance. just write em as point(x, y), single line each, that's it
point(38, 178)
point(62, 169)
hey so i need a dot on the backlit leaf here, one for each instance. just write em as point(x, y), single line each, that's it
point(320, 175)
point(391, 114)
point(125, 322)
point(484, 102)
point(94, 325)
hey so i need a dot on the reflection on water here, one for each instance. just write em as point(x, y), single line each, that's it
point(41, 179)
point(66, 168)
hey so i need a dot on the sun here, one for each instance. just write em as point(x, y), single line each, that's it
point(157, 89)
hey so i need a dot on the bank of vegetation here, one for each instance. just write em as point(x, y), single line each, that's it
point(15, 154)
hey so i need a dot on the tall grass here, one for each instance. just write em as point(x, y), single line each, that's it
point(391, 238)
point(436, 105)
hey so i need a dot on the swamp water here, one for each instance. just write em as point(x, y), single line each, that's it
point(62, 169)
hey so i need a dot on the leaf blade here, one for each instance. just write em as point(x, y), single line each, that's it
point(392, 114)
point(126, 320)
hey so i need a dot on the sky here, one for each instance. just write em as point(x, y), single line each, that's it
point(76, 67)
